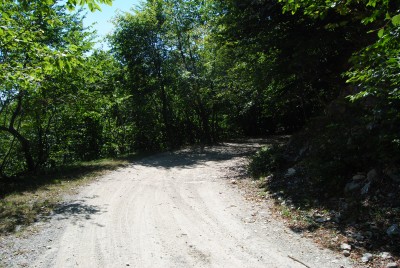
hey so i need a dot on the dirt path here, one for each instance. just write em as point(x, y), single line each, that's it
point(169, 210)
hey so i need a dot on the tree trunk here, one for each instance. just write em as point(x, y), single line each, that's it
point(25, 143)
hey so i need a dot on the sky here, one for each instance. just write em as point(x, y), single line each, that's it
point(102, 19)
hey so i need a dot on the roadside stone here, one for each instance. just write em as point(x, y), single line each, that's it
point(366, 257)
point(394, 174)
point(351, 186)
point(345, 246)
point(358, 177)
point(372, 175)
point(269, 177)
point(358, 236)
point(385, 255)
point(233, 182)
point(392, 265)
point(290, 172)
point(393, 230)
point(368, 234)
point(346, 253)
point(336, 219)
point(365, 188)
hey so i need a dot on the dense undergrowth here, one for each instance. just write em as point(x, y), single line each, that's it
point(341, 172)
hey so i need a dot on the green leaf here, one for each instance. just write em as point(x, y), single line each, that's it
point(372, 3)
point(380, 33)
point(396, 20)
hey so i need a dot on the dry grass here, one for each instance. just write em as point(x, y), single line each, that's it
point(27, 200)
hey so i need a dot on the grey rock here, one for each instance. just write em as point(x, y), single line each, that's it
point(346, 253)
point(385, 255)
point(290, 172)
point(366, 257)
point(358, 236)
point(368, 234)
point(345, 246)
point(393, 230)
point(391, 265)
point(394, 174)
point(358, 177)
point(343, 205)
point(303, 150)
point(372, 175)
point(351, 186)
point(18, 228)
point(365, 188)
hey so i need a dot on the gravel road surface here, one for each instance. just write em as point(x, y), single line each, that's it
point(169, 210)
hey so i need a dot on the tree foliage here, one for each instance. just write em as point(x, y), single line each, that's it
point(189, 71)
point(163, 48)
point(41, 45)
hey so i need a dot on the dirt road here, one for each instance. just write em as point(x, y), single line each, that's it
point(169, 210)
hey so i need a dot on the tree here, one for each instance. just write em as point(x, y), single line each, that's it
point(139, 46)
point(35, 47)
point(283, 68)
point(373, 76)
point(163, 48)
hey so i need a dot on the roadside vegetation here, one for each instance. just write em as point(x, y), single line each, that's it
point(28, 199)
point(185, 72)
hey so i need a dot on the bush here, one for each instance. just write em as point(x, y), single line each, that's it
point(267, 160)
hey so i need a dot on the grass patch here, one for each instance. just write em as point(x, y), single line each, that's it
point(25, 200)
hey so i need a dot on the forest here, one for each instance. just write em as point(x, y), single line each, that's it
point(183, 72)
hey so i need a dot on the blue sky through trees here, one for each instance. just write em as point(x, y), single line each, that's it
point(102, 19)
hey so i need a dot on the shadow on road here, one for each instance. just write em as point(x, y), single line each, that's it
point(76, 210)
point(192, 156)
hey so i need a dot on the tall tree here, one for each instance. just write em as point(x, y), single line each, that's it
point(35, 48)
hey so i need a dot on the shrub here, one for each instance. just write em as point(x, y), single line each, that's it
point(267, 160)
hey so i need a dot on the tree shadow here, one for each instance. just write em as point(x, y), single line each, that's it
point(361, 221)
point(185, 158)
point(197, 155)
point(31, 182)
point(76, 212)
